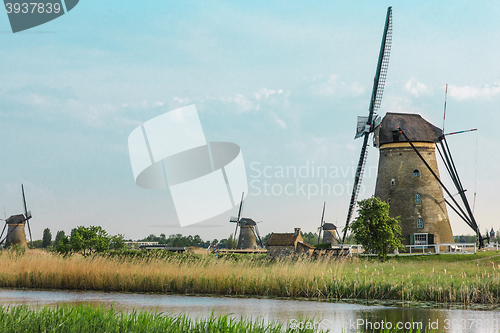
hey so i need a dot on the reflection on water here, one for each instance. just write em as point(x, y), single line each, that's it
point(337, 317)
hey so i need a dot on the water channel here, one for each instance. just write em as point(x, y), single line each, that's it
point(334, 316)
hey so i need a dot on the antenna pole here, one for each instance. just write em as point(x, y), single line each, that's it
point(445, 97)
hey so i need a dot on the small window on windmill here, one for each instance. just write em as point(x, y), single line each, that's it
point(393, 181)
point(416, 173)
point(420, 223)
point(389, 200)
point(418, 199)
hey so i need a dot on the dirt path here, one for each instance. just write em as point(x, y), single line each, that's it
point(497, 255)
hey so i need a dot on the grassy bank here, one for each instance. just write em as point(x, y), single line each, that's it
point(426, 278)
point(89, 319)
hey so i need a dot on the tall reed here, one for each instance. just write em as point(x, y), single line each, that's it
point(471, 282)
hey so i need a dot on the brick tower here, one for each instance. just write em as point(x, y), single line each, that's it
point(406, 183)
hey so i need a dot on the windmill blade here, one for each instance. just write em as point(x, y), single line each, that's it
point(360, 126)
point(241, 206)
point(5, 225)
point(382, 66)
point(376, 99)
point(27, 216)
point(322, 221)
point(459, 132)
point(258, 236)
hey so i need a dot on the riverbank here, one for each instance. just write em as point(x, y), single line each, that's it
point(438, 278)
point(97, 319)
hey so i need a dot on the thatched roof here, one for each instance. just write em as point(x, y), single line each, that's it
point(329, 226)
point(284, 239)
point(415, 127)
point(15, 219)
point(247, 221)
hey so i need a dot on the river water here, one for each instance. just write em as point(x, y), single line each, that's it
point(334, 316)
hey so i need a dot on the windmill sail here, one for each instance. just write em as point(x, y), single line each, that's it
point(376, 99)
point(27, 215)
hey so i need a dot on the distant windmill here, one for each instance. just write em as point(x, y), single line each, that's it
point(16, 232)
point(249, 232)
point(328, 229)
point(366, 125)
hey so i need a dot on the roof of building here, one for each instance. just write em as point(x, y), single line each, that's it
point(14, 219)
point(306, 245)
point(248, 221)
point(284, 239)
point(329, 226)
point(414, 126)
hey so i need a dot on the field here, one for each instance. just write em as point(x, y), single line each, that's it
point(439, 278)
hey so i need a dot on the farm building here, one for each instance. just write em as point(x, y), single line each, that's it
point(285, 244)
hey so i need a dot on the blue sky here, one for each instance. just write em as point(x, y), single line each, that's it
point(285, 80)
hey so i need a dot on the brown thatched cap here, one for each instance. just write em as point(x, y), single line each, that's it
point(415, 127)
point(15, 219)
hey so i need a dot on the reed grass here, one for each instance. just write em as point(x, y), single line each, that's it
point(64, 319)
point(439, 281)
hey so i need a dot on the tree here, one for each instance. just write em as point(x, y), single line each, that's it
point(375, 229)
point(117, 242)
point(89, 240)
point(47, 238)
point(60, 235)
point(231, 242)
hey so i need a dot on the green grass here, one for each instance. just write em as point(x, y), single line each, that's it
point(90, 319)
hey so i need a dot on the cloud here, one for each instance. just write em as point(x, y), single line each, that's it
point(181, 100)
point(417, 88)
point(467, 92)
point(280, 122)
point(330, 85)
point(259, 100)
point(266, 92)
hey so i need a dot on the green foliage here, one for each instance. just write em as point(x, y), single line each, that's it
point(37, 244)
point(63, 246)
point(323, 246)
point(117, 242)
point(231, 242)
point(47, 238)
point(17, 250)
point(174, 240)
point(22, 318)
point(375, 229)
point(60, 235)
point(310, 238)
point(88, 241)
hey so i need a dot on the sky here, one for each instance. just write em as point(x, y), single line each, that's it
point(285, 80)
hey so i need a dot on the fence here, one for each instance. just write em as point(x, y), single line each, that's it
point(448, 248)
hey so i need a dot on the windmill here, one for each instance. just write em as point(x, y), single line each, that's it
point(367, 125)
point(249, 232)
point(16, 232)
point(329, 230)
